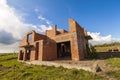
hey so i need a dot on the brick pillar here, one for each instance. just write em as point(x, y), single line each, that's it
point(40, 51)
point(25, 55)
point(74, 47)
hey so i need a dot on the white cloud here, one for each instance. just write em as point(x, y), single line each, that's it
point(9, 48)
point(98, 39)
point(42, 27)
point(36, 10)
point(44, 19)
point(11, 22)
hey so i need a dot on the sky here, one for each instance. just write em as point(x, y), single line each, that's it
point(101, 18)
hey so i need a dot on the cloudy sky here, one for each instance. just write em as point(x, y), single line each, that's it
point(101, 18)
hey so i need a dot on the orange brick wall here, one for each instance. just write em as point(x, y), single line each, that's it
point(62, 38)
point(39, 37)
point(32, 55)
point(24, 41)
point(49, 50)
point(52, 32)
point(61, 31)
point(74, 47)
point(40, 50)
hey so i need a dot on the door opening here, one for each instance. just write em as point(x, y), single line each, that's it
point(37, 51)
point(63, 50)
point(28, 54)
point(21, 55)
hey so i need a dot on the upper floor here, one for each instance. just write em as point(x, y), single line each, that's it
point(57, 35)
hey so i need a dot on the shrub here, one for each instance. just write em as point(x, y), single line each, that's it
point(91, 53)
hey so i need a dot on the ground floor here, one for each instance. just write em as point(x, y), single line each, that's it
point(53, 51)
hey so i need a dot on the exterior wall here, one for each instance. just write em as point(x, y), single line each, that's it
point(81, 41)
point(40, 50)
point(74, 47)
point(62, 37)
point(39, 37)
point(61, 32)
point(25, 40)
point(78, 41)
point(32, 55)
point(51, 52)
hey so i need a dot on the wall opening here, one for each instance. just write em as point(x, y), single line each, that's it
point(29, 38)
point(21, 55)
point(37, 51)
point(28, 54)
point(63, 50)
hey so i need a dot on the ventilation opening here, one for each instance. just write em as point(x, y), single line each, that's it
point(63, 50)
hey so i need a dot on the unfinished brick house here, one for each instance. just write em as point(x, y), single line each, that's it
point(55, 44)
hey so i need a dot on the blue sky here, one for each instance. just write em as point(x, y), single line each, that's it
point(95, 15)
point(101, 18)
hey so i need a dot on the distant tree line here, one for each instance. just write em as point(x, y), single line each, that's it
point(108, 44)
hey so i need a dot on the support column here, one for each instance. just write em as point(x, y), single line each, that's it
point(74, 47)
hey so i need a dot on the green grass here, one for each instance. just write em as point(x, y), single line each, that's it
point(115, 62)
point(11, 69)
point(115, 74)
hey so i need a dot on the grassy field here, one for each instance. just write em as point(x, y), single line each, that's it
point(106, 47)
point(11, 69)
